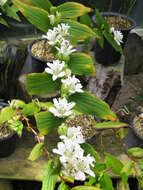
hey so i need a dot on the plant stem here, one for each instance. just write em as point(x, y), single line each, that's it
point(36, 136)
point(110, 6)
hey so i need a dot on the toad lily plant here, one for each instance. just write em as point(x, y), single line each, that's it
point(72, 112)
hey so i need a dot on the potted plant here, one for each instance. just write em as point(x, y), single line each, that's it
point(40, 50)
point(10, 127)
point(75, 164)
point(114, 31)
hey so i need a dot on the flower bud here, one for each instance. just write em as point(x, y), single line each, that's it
point(62, 130)
point(52, 19)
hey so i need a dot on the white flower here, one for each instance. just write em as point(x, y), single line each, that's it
point(62, 108)
point(74, 134)
point(72, 84)
point(78, 168)
point(63, 29)
point(68, 150)
point(2, 2)
point(118, 36)
point(72, 158)
point(66, 49)
point(83, 166)
point(52, 37)
point(56, 69)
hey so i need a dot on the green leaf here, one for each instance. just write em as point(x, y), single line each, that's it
point(122, 133)
point(57, 167)
point(140, 164)
point(113, 163)
point(106, 182)
point(85, 188)
point(91, 181)
point(101, 22)
point(37, 16)
point(126, 171)
point(43, 4)
point(16, 126)
point(109, 125)
point(2, 21)
point(101, 39)
point(72, 10)
point(136, 152)
point(45, 105)
point(63, 186)
point(79, 31)
point(88, 149)
point(86, 19)
point(68, 179)
point(89, 104)
point(36, 152)
point(46, 122)
point(81, 64)
point(109, 37)
point(49, 180)
point(6, 114)
point(42, 84)
point(99, 168)
point(31, 109)
point(11, 11)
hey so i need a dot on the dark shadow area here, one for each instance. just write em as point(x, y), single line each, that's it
point(26, 185)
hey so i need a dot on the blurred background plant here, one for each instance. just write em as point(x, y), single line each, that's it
point(8, 9)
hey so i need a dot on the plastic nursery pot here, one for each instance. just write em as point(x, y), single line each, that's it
point(7, 143)
point(108, 55)
point(33, 64)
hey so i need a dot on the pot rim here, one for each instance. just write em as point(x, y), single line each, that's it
point(11, 135)
point(132, 21)
point(32, 55)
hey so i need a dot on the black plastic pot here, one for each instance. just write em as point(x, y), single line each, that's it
point(7, 144)
point(33, 64)
point(108, 55)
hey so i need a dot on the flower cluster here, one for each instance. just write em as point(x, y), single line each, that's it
point(72, 157)
point(56, 37)
point(59, 69)
point(118, 36)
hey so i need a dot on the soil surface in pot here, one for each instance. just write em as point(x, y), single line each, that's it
point(138, 125)
point(41, 50)
point(118, 22)
point(86, 122)
point(4, 132)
